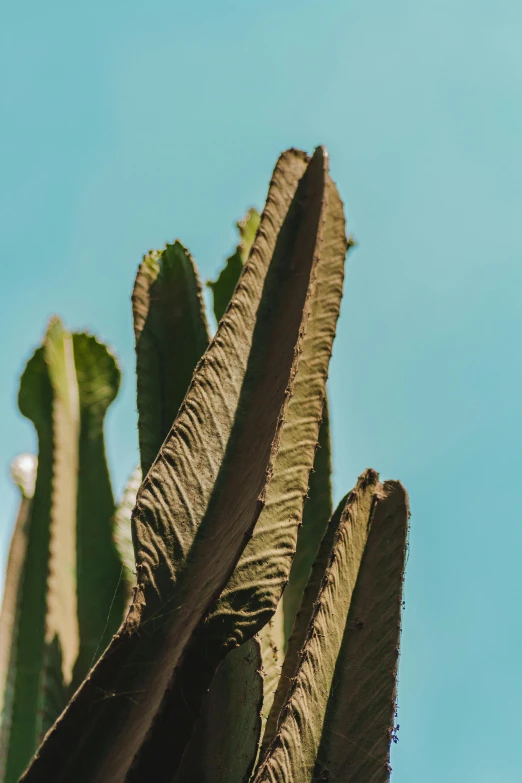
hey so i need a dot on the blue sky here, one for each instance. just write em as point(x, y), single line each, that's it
point(128, 124)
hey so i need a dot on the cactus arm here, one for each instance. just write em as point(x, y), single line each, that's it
point(68, 588)
point(171, 334)
point(362, 705)
point(292, 752)
point(234, 712)
point(324, 687)
point(49, 397)
point(62, 604)
point(226, 736)
point(35, 399)
point(99, 577)
point(257, 582)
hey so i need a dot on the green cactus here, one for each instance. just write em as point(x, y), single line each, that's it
point(261, 638)
point(171, 334)
point(223, 287)
point(67, 584)
point(23, 473)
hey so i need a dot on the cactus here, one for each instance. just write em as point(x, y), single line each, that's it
point(261, 638)
point(67, 580)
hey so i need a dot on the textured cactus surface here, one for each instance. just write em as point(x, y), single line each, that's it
point(220, 624)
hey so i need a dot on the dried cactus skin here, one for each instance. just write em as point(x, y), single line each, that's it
point(171, 333)
point(362, 705)
point(301, 625)
point(325, 730)
point(316, 515)
point(262, 572)
point(233, 408)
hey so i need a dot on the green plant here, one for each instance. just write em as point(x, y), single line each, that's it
point(64, 596)
point(216, 674)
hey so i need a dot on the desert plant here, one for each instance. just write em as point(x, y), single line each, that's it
point(64, 596)
point(216, 674)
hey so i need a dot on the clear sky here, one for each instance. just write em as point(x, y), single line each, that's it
point(127, 124)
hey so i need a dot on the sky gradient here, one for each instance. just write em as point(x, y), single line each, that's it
point(129, 124)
